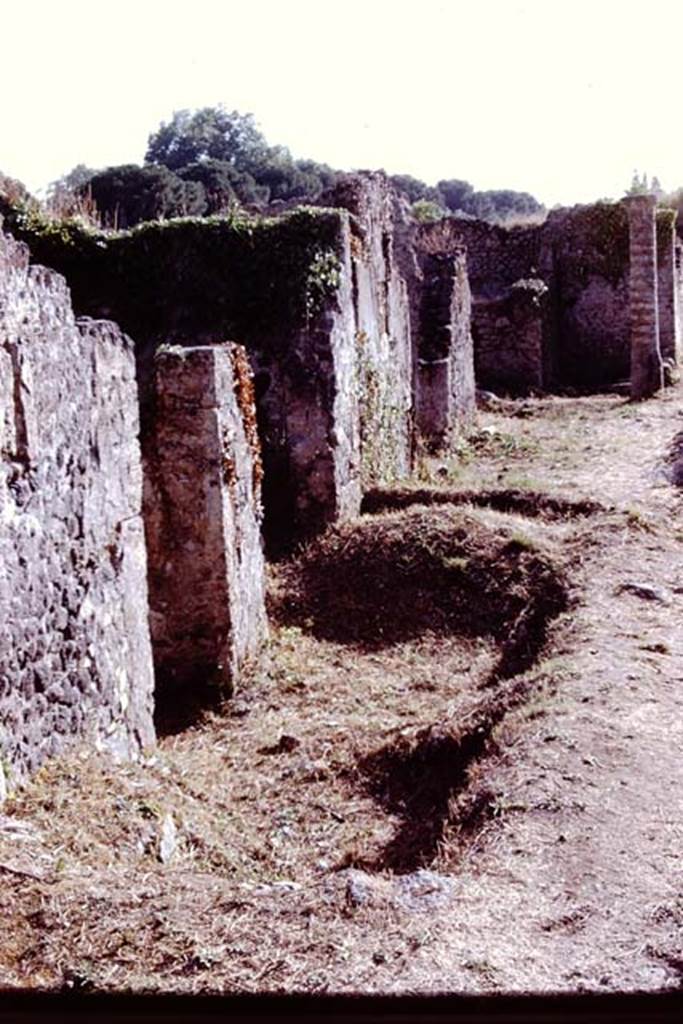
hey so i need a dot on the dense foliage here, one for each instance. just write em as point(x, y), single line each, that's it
point(207, 161)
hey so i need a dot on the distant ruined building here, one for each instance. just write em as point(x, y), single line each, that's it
point(551, 303)
point(262, 377)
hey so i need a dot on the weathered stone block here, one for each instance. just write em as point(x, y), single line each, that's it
point(202, 519)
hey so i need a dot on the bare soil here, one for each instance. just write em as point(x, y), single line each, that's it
point(458, 768)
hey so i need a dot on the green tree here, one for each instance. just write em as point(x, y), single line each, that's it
point(128, 195)
point(224, 186)
point(218, 138)
point(210, 133)
point(503, 204)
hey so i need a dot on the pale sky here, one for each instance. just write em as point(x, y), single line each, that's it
point(560, 98)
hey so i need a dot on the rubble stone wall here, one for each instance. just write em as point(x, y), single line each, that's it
point(511, 337)
point(646, 361)
point(283, 288)
point(75, 654)
point(585, 263)
point(496, 256)
point(667, 286)
point(510, 310)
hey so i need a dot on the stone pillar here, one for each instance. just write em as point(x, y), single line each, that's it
point(202, 521)
point(445, 385)
point(666, 285)
point(646, 361)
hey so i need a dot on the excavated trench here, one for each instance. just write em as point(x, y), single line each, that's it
point(389, 578)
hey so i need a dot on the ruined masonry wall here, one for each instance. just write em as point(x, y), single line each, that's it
point(75, 655)
point(202, 518)
point(585, 264)
point(511, 339)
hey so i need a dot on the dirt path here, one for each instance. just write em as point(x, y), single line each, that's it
point(568, 875)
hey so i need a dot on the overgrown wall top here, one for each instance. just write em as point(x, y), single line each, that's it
point(218, 278)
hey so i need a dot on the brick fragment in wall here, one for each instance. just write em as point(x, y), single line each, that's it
point(75, 653)
point(202, 520)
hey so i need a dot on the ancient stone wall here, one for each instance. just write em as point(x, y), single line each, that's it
point(585, 263)
point(512, 339)
point(75, 655)
point(678, 286)
point(551, 302)
point(320, 300)
point(311, 424)
point(445, 394)
point(202, 521)
point(497, 257)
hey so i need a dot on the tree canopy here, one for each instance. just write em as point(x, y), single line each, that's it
point(212, 133)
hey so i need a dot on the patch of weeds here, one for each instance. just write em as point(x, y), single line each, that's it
point(523, 542)
point(492, 442)
point(445, 464)
point(515, 482)
point(502, 805)
point(637, 521)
